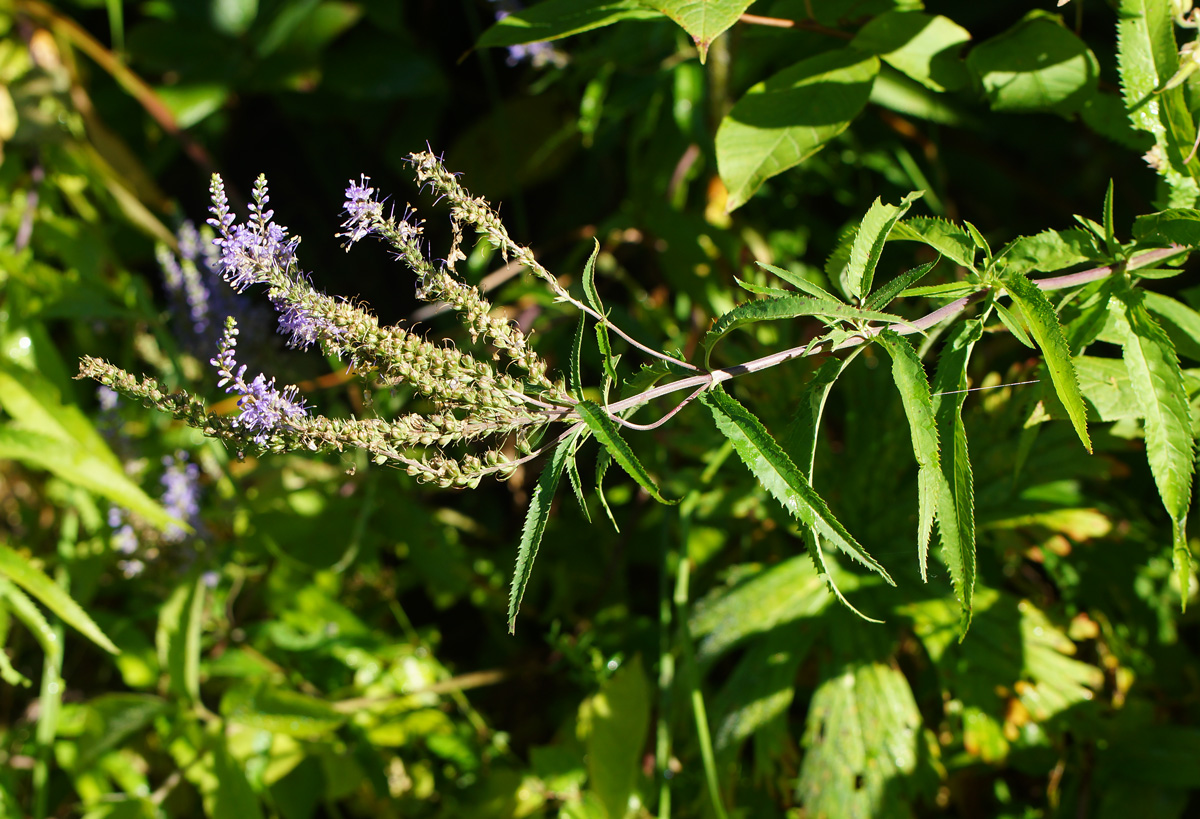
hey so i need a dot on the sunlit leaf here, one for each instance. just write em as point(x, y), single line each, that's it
point(1158, 385)
point(704, 20)
point(19, 570)
point(605, 431)
point(618, 718)
point(922, 46)
point(1048, 333)
point(780, 477)
point(858, 276)
point(784, 120)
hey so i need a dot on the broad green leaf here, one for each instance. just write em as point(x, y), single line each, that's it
point(1175, 226)
point(535, 526)
point(233, 17)
point(862, 736)
point(178, 637)
point(111, 720)
point(555, 19)
point(956, 520)
point(924, 47)
point(618, 718)
point(760, 601)
point(1158, 385)
point(231, 794)
point(704, 20)
point(897, 92)
point(260, 706)
point(1048, 333)
point(774, 470)
point(1181, 323)
point(789, 307)
point(799, 282)
point(884, 296)
point(859, 274)
point(605, 430)
point(1013, 648)
point(1147, 57)
point(20, 571)
point(784, 120)
point(946, 238)
point(933, 491)
point(47, 434)
point(755, 699)
point(1048, 251)
point(1036, 65)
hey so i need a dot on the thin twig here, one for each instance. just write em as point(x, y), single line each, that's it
point(804, 25)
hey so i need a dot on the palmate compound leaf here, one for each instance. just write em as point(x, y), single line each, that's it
point(784, 120)
point(782, 479)
point(1048, 333)
point(704, 20)
point(20, 571)
point(535, 526)
point(1158, 384)
point(555, 19)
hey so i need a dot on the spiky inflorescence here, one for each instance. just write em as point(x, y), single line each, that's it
point(472, 400)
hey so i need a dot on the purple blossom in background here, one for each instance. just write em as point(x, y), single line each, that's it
point(538, 54)
point(181, 494)
point(184, 280)
point(124, 539)
point(263, 407)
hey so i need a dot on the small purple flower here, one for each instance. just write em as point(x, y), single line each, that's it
point(124, 539)
point(181, 495)
point(252, 251)
point(263, 407)
point(363, 211)
point(539, 54)
point(302, 325)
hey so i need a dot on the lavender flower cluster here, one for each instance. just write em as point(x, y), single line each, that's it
point(478, 410)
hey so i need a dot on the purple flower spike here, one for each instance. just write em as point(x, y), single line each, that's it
point(363, 211)
point(263, 407)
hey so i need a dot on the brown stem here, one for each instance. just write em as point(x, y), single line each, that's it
point(804, 25)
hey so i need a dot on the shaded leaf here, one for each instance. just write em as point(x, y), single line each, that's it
point(1175, 226)
point(922, 46)
point(1036, 65)
point(535, 526)
point(783, 121)
point(178, 637)
point(619, 717)
point(1048, 251)
point(788, 307)
point(1181, 323)
point(555, 19)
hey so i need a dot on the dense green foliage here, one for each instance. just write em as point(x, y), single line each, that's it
point(919, 546)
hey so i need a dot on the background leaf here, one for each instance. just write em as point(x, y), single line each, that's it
point(786, 119)
point(704, 20)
